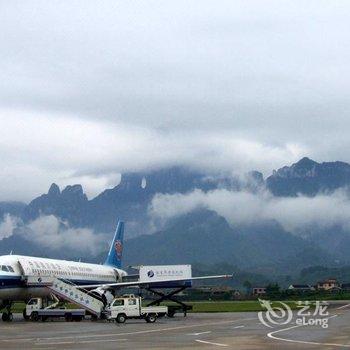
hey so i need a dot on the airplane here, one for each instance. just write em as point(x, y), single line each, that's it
point(101, 280)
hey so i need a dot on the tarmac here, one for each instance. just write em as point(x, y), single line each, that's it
point(242, 330)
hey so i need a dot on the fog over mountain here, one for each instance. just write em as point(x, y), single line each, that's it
point(188, 216)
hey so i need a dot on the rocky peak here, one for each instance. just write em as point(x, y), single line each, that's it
point(54, 190)
point(309, 177)
point(305, 163)
point(74, 191)
point(130, 181)
point(305, 167)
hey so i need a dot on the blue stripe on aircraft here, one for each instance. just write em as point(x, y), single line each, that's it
point(16, 282)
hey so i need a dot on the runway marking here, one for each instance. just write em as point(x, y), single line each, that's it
point(272, 336)
point(238, 327)
point(130, 333)
point(207, 332)
point(81, 342)
point(343, 307)
point(210, 343)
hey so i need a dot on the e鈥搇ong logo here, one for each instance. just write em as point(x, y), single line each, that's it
point(308, 313)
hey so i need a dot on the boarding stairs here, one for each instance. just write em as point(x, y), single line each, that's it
point(70, 292)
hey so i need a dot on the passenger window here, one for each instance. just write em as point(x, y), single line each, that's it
point(132, 302)
point(118, 302)
point(10, 269)
point(4, 268)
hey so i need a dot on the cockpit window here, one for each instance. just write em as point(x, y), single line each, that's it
point(4, 268)
point(10, 269)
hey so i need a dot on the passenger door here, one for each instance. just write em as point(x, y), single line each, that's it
point(133, 307)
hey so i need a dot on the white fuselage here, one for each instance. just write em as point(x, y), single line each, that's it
point(14, 269)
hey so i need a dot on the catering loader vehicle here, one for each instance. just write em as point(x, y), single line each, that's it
point(130, 306)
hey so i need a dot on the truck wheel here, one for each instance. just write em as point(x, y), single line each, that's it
point(171, 313)
point(7, 317)
point(25, 316)
point(151, 318)
point(34, 316)
point(121, 318)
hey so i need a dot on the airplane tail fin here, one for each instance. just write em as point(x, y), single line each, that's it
point(115, 254)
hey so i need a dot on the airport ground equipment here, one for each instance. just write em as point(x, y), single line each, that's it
point(182, 279)
point(66, 290)
point(170, 296)
point(81, 297)
point(130, 306)
point(37, 310)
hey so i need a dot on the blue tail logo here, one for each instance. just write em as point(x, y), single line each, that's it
point(115, 254)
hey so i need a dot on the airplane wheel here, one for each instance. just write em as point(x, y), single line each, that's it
point(121, 318)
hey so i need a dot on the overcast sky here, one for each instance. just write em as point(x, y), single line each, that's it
point(89, 89)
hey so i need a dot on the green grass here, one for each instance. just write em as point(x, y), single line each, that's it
point(231, 306)
point(205, 306)
point(18, 307)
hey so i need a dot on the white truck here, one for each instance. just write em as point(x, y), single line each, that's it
point(38, 309)
point(130, 306)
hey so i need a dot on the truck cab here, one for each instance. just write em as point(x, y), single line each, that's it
point(130, 306)
point(34, 304)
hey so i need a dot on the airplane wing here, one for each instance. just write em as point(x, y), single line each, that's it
point(161, 283)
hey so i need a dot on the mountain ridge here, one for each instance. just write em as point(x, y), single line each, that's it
point(198, 236)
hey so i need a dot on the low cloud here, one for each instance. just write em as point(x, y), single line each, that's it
point(295, 214)
point(64, 149)
point(89, 89)
point(8, 225)
point(53, 233)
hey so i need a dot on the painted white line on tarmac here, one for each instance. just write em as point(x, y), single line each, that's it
point(272, 336)
point(343, 307)
point(8, 340)
point(207, 332)
point(81, 342)
point(238, 327)
point(210, 343)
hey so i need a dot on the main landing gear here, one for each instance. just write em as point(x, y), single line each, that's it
point(7, 315)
